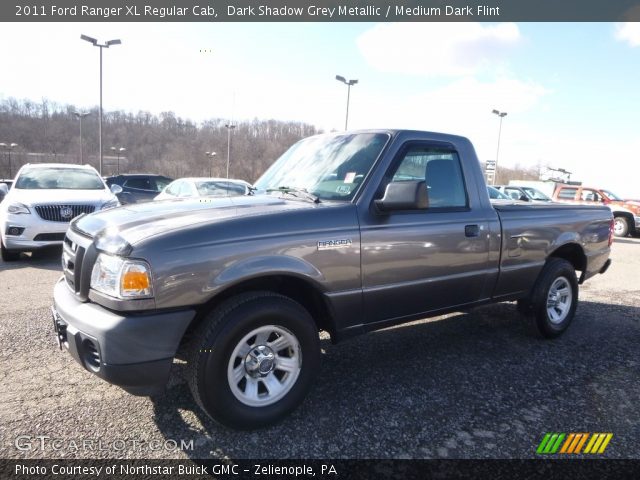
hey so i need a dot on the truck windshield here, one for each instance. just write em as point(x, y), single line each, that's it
point(331, 167)
point(59, 179)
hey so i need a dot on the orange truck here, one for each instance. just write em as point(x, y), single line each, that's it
point(626, 213)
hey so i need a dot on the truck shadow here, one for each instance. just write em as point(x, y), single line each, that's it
point(45, 259)
point(630, 240)
point(457, 387)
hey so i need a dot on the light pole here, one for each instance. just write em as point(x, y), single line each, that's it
point(9, 147)
point(210, 155)
point(107, 44)
point(80, 116)
point(501, 115)
point(118, 150)
point(230, 126)
point(348, 83)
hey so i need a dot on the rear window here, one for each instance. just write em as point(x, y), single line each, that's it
point(59, 179)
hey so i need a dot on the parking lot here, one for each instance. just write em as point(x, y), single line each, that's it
point(478, 384)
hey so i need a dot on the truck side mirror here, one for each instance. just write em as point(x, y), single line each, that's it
point(4, 188)
point(116, 189)
point(405, 195)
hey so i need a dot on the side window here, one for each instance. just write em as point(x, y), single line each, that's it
point(161, 183)
point(186, 190)
point(139, 183)
point(174, 189)
point(589, 195)
point(567, 193)
point(440, 169)
point(514, 193)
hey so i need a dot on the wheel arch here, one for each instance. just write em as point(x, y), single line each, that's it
point(300, 289)
point(574, 254)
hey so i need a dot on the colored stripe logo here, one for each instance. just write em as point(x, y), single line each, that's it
point(592, 443)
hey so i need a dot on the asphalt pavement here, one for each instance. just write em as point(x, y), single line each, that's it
point(478, 384)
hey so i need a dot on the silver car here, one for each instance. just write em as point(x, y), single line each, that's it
point(43, 200)
point(204, 187)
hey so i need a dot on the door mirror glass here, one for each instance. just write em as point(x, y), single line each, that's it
point(116, 189)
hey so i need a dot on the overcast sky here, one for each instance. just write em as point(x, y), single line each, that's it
point(571, 90)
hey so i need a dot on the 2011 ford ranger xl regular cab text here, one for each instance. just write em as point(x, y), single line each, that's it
point(346, 233)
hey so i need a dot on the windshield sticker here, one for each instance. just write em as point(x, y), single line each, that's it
point(346, 189)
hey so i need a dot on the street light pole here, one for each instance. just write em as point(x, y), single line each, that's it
point(210, 155)
point(501, 115)
point(230, 127)
point(348, 83)
point(80, 116)
point(9, 147)
point(107, 44)
point(118, 151)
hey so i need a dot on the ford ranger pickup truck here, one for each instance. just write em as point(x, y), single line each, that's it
point(345, 233)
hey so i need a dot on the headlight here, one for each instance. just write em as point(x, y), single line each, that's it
point(121, 278)
point(110, 241)
point(110, 204)
point(18, 208)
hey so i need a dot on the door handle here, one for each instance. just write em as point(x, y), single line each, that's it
point(471, 231)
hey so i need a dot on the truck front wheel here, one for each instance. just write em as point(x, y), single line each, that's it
point(253, 359)
point(555, 297)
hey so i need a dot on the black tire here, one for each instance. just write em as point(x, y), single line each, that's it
point(8, 255)
point(216, 341)
point(559, 275)
point(620, 227)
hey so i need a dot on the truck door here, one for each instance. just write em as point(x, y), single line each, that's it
point(424, 260)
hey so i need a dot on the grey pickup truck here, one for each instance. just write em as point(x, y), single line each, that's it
point(346, 233)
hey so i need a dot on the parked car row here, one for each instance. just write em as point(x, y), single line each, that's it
point(137, 188)
point(626, 212)
point(36, 212)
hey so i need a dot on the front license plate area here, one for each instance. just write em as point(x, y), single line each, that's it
point(59, 328)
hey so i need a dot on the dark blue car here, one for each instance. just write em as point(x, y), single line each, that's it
point(138, 187)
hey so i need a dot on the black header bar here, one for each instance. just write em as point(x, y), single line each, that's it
point(319, 10)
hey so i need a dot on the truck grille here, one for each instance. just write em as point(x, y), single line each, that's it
point(62, 213)
point(77, 263)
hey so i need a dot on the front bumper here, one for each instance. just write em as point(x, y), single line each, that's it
point(36, 232)
point(133, 351)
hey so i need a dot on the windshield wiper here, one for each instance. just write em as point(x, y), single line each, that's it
point(296, 192)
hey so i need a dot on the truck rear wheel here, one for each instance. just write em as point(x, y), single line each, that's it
point(253, 360)
point(620, 227)
point(554, 298)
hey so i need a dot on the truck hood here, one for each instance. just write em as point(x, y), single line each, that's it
point(32, 197)
point(136, 222)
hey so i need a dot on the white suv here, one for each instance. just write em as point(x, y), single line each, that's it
point(44, 198)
